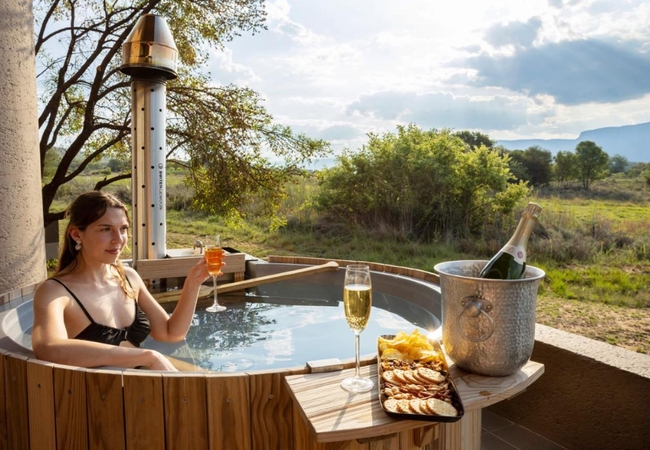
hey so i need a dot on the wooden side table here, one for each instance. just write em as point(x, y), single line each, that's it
point(334, 415)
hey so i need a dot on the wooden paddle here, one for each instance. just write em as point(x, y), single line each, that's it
point(239, 285)
point(172, 296)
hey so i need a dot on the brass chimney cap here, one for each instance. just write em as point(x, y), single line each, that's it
point(149, 51)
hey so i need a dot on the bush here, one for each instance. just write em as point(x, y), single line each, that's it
point(179, 197)
point(422, 184)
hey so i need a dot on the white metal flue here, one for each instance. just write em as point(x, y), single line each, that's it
point(150, 58)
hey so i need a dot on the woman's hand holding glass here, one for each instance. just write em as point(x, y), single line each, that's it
point(214, 259)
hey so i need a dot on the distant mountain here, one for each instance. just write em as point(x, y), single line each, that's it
point(631, 141)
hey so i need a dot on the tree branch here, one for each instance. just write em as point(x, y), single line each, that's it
point(106, 181)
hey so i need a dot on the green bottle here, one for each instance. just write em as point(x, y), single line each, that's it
point(510, 262)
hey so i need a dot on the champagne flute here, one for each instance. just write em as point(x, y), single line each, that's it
point(214, 261)
point(357, 300)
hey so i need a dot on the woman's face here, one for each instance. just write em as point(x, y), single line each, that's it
point(104, 239)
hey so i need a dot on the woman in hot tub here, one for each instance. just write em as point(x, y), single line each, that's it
point(96, 312)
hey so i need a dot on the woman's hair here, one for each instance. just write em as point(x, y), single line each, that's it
point(84, 210)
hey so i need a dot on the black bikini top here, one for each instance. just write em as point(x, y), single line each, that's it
point(96, 332)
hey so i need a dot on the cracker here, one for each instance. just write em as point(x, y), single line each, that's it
point(403, 406)
point(390, 404)
point(399, 376)
point(441, 408)
point(409, 376)
point(389, 376)
point(416, 406)
point(420, 378)
point(433, 376)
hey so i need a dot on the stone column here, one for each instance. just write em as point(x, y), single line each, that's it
point(22, 246)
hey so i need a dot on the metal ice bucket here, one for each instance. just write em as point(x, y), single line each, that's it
point(488, 326)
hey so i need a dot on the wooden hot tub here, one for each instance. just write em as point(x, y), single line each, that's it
point(47, 406)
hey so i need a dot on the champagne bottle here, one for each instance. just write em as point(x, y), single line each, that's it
point(510, 262)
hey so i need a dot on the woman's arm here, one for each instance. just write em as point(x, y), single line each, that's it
point(50, 340)
point(174, 328)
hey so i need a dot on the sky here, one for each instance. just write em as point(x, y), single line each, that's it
point(512, 69)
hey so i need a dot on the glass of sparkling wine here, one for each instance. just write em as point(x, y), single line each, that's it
point(357, 300)
point(214, 261)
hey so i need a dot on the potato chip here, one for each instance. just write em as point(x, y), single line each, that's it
point(408, 347)
point(392, 353)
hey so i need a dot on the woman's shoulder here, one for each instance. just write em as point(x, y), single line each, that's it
point(133, 277)
point(50, 289)
point(50, 283)
point(131, 272)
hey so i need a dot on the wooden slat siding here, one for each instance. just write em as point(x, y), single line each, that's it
point(271, 412)
point(426, 276)
point(186, 415)
point(390, 442)
point(16, 402)
point(425, 436)
point(70, 407)
point(179, 267)
point(228, 412)
point(105, 410)
point(302, 435)
point(405, 440)
point(347, 445)
point(4, 443)
point(143, 410)
point(40, 397)
point(464, 434)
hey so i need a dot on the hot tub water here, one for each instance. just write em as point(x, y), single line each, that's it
point(268, 333)
point(280, 325)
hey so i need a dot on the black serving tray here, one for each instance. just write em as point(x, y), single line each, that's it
point(455, 397)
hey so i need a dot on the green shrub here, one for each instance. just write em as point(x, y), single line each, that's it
point(423, 184)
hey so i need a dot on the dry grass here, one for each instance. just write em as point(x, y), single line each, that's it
point(624, 327)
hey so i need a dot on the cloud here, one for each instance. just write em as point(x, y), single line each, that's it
point(444, 110)
point(277, 11)
point(329, 130)
point(221, 63)
point(339, 132)
point(573, 72)
point(522, 34)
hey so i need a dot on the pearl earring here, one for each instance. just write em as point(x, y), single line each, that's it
point(78, 246)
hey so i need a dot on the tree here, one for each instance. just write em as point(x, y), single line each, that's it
point(517, 164)
point(219, 134)
point(618, 164)
point(591, 162)
point(637, 169)
point(538, 165)
point(532, 165)
point(566, 167)
point(117, 165)
point(646, 175)
point(475, 139)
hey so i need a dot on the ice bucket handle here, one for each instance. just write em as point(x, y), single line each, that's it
point(474, 307)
